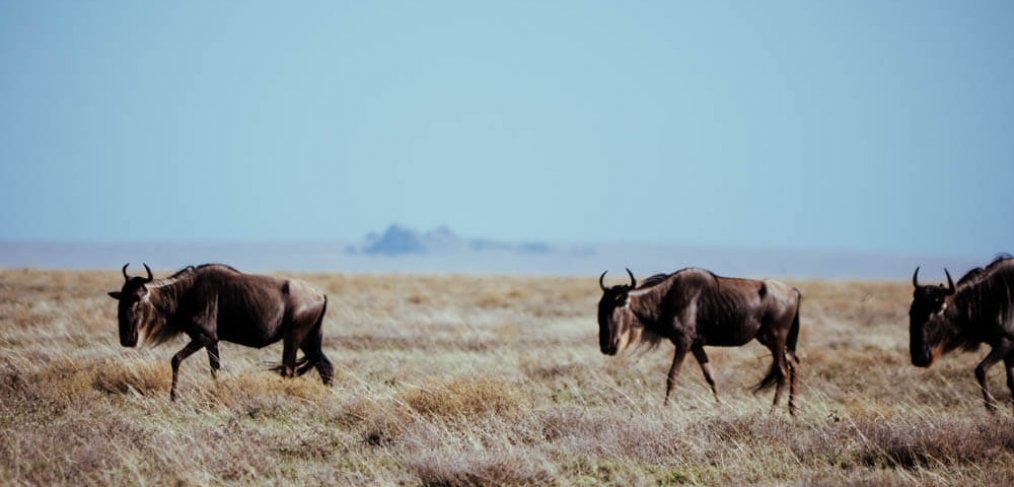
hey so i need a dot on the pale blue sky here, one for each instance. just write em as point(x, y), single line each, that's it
point(854, 125)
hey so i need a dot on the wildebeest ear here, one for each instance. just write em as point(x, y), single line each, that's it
point(115, 295)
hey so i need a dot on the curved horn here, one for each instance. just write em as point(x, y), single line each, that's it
point(601, 284)
point(915, 278)
point(950, 283)
point(633, 282)
point(124, 271)
point(150, 276)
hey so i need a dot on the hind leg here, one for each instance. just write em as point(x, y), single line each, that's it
point(213, 359)
point(781, 370)
point(779, 367)
point(793, 362)
point(326, 369)
point(1008, 362)
point(289, 344)
point(780, 385)
point(314, 354)
point(702, 359)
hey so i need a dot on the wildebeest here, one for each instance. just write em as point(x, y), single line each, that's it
point(979, 309)
point(694, 308)
point(214, 302)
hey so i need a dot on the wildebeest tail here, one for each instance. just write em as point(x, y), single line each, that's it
point(774, 376)
point(320, 319)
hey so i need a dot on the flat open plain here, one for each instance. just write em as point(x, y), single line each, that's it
point(462, 380)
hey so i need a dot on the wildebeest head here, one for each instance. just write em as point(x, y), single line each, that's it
point(616, 321)
point(928, 328)
point(134, 306)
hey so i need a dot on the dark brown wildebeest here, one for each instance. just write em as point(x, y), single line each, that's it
point(694, 308)
point(979, 309)
point(215, 302)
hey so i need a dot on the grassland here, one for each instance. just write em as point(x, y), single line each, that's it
point(481, 380)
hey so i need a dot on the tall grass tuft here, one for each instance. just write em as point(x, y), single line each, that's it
point(466, 397)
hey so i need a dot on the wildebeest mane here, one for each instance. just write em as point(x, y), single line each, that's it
point(972, 274)
point(224, 266)
point(653, 281)
point(660, 278)
point(987, 293)
point(190, 268)
point(163, 282)
point(183, 271)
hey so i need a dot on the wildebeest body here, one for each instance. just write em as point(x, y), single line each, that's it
point(213, 303)
point(694, 308)
point(979, 309)
point(733, 320)
point(248, 312)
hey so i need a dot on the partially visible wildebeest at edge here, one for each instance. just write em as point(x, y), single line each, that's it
point(979, 309)
point(694, 308)
point(214, 302)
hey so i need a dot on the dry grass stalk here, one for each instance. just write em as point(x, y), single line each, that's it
point(479, 381)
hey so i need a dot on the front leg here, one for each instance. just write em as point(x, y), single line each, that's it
point(999, 352)
point(196, 343)
point(677, 361)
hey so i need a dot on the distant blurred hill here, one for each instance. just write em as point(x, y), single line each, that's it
point(400, 249)
point(395, 241)
point(399, 240)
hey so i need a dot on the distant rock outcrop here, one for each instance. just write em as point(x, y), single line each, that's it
point(395, 240)
point(399, 240)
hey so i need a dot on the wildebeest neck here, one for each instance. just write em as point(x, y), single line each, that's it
point(164, 298)
point(645, 303)
point(166, 293)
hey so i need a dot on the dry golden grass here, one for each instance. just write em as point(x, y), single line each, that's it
point(481, 380)
point(464, 397)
